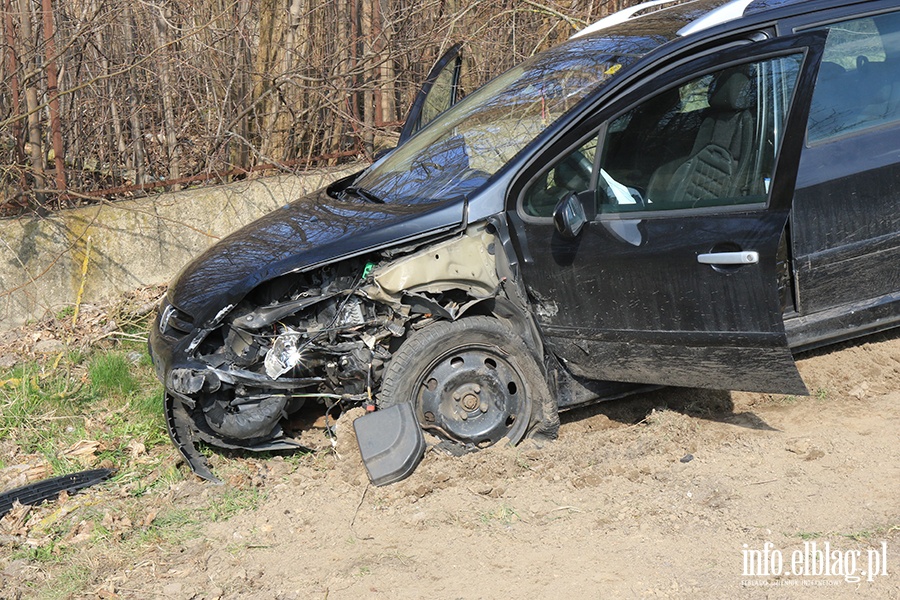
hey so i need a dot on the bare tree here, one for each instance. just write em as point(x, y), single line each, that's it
point(127, 95)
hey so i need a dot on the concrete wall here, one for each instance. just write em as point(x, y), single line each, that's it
point(132, 243)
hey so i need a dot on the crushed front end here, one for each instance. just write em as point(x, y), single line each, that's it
point(322, 336)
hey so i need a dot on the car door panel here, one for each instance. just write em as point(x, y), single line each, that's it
point(623, 312)
point(640, 306)
point(847, 211)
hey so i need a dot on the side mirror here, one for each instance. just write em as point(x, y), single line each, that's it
point(569, 216)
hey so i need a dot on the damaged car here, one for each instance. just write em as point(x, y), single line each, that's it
point(684, 194)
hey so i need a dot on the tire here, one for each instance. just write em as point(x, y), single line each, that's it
point(472, 381)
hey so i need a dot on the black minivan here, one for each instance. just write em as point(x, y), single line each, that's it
point(682, 194)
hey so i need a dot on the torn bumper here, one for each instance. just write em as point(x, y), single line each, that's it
point(182, 378)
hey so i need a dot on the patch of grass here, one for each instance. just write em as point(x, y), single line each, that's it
point(296, 459)
point(138, 484)
point(234, 501)
point(173, 526)
point(523, 462)
point(65, 313)
point(140, 419)
point(790, 399)
point(859, 536)
point(503, 514)
point(109, 399)
point(60, 464)
point(66, 583)
point(875, 532)
point(46, 409)
point(109, 374)
point(49, 553)
point(145, 360)
point(42, 412)
point(170, 476)
point(76, 357)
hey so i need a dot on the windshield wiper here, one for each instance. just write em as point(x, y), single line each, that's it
point(362, 193)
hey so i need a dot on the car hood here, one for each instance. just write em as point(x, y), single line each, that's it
point(313, 230)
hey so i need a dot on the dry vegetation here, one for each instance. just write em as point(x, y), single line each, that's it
point(100, 94)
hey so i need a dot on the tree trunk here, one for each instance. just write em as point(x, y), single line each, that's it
point(265, 95)
point(53, 93)
point(240, 151)
point(139, 154)
point(289, 97)
point(12, 63)
point(160, 30)
point(387, 75)
point(34, 148)
point(368, 80)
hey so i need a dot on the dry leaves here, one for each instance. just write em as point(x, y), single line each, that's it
point(13, 523)
point(55, 333)
point(17, 475)
point(84, 451)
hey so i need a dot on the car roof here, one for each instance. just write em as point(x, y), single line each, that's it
point(687, 16)
point(757, 6)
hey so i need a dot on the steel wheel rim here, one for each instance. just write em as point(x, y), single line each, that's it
point(474, 395)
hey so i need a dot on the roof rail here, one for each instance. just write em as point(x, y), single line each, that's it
point(727, 12)
point(621, 16)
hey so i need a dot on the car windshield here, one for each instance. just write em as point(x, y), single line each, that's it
point(458, 151)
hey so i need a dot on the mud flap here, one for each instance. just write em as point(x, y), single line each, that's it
point(391, 443)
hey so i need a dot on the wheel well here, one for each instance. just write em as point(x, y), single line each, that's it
point(519, 322)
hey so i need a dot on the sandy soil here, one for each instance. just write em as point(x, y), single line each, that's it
point(661, 495)
point(609, 510)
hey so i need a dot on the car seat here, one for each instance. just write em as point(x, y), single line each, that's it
point(720, 159)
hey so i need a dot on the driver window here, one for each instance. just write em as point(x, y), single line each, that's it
point(709, 142)
point(571, 173)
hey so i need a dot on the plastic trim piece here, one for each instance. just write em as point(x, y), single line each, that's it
point(391, 443)
point(178, 425)
point(49, 489)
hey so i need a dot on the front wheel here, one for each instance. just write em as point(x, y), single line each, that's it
point(472, 381)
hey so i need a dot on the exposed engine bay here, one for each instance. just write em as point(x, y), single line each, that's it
point(325, 336)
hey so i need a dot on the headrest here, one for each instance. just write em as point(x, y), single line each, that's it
point(732, 91)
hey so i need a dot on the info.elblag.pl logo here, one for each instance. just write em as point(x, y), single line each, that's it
point(814, 560)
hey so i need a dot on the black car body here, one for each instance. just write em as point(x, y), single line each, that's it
point(684, 197)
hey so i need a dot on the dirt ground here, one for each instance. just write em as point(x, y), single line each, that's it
point(665, 495)
point(609, 510)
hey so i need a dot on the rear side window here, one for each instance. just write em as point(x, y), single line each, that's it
point(858, 86)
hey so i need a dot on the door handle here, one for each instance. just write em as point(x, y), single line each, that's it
point(744, 257)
